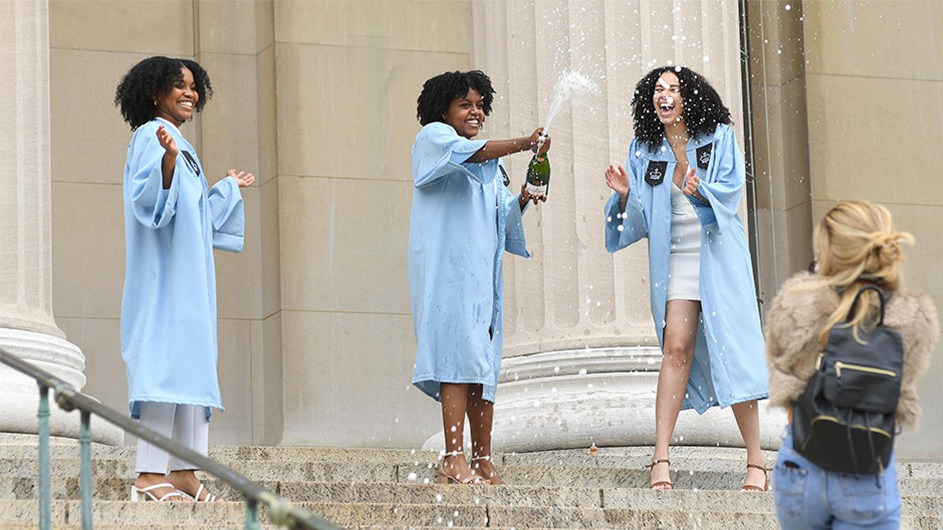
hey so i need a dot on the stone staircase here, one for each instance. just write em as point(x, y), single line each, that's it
point(396, 490)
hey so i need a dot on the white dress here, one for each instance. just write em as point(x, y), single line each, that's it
point(685, 261)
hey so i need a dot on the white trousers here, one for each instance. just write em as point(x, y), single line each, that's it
point(184, 424)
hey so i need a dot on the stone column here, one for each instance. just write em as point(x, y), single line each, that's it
point(581, 356)
point(780, 141)
point(27, 326)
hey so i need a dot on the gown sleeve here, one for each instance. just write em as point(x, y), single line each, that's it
point(439, 151)
point(229, 215)
point(723, 184)
point(623, 229)
point(152, 205)
point(514, 240)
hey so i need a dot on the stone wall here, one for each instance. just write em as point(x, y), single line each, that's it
point(318, 100)
point(875, 121)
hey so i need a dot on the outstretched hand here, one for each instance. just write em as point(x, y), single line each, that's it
point(244, 179)
point(167, 142)
point(690, 184)
point(618, 181)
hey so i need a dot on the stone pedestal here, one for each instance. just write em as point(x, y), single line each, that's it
point(27, 326)
point(19, 394)
point(581, 357)
point(605, 396)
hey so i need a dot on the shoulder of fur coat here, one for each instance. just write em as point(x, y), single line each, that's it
point(792, 339)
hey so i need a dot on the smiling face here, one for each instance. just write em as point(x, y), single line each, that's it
point(466, 114)
point(667, 99)
point(178, 104)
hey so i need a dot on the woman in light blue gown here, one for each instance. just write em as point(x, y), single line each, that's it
point(464, 218)
point(682, 191)
point(173, 221)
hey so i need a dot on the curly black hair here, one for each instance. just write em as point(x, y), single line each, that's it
point(703, 110)
point(439, 91)
point(151, 78)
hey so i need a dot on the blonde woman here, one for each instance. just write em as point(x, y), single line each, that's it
point(856, 245)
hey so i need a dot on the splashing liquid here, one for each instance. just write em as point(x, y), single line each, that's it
point(570, 90)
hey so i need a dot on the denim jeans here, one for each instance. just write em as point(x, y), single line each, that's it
point(808, 497)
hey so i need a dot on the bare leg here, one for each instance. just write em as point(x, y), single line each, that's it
point(481, 416)
point(681, 318)
point(454, 405)
point(748, 419)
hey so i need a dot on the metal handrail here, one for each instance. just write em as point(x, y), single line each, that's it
point(280, 510)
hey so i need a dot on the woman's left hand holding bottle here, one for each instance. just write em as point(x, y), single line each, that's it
point(527, 196)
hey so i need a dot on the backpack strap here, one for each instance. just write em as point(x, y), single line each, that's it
point(854, 305)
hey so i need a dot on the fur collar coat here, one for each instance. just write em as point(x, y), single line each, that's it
point(792, 340)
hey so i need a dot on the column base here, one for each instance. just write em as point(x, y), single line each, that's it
point(19, 397)
point(606, 396)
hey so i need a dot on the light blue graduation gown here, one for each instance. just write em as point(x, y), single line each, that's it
point(168, 311)
point(729, 364)
point(463, 219)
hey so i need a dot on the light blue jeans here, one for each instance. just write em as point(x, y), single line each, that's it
point(808, 497)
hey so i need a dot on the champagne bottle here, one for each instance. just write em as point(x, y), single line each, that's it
point(538, 175)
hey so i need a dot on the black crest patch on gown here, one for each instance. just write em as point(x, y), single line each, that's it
point(191, 162)
point(655, 173)
point(704, 156)
point(504, 173)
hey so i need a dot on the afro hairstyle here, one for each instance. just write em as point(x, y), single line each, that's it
point(152, 77)
point(439, 91)
point(703, 110)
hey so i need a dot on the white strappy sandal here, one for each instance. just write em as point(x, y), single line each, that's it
point(209, 496)
point(144, 494)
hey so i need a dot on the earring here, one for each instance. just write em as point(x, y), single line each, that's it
point(155, 102)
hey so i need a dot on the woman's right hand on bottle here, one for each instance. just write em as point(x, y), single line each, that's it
point(535, 141)
point(617, 180)
point(167, 142)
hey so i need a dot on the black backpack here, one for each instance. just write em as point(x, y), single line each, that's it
point(845, 419)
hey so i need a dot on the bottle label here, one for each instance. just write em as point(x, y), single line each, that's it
point(536, 190)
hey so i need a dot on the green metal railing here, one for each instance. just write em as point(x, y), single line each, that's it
point(279, 510)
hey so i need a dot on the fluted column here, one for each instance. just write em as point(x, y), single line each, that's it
point(581, 355)
point(27, 326)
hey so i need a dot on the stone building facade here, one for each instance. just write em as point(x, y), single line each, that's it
point(317, 98)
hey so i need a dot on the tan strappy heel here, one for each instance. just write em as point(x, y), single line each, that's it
point(751, 487)
point(664, 485)
point(476, 470)
point(445, 478)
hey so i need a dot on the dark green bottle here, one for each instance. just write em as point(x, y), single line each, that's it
point(538, 175)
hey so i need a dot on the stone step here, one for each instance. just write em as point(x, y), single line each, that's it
point(118, 489)
point(374, 516)
point(69, 449)
point(18, 476)
point(98, 526)
point(510, 496)
point(619, 457)
point(683, 458)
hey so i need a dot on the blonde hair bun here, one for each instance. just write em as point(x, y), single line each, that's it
point(855, 241)
point(887, 247)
